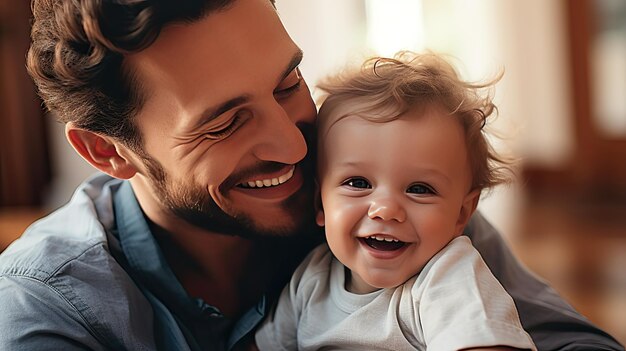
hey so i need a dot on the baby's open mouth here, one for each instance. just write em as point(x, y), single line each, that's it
point(383, 243)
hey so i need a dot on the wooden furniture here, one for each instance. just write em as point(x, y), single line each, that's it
point(13, 222)
point(597, 168)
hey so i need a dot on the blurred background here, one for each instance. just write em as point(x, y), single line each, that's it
point(562, 106)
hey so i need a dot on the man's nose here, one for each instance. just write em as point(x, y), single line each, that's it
point(281, 139)
point(387, 208)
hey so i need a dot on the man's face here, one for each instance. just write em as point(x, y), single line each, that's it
point(224, 122)
point(392, 193)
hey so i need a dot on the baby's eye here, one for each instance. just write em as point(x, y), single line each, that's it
point(420, 189)
point(359, 183)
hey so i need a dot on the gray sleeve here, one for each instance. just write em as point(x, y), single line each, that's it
point(33, 316)
point(279, 331)
point(552, 323)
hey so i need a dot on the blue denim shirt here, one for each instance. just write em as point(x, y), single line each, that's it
point(91, 276)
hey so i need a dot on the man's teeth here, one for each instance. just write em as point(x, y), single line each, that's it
point(269, 182)
point(381, 238)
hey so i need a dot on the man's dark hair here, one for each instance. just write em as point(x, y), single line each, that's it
point(77, 55)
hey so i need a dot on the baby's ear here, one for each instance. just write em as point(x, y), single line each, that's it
point(317, 203)
point(470, 202)
point(319, 218)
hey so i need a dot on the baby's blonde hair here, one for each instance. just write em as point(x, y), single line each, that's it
point(382, 89)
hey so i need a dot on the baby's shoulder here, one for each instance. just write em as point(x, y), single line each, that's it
point(316, 264)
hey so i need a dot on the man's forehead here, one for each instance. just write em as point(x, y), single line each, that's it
point(193, 67)
point(237, 37)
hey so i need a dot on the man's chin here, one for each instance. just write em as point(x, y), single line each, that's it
point(292, 218)
point(288, 221)
point(288, 227)
point(261, 224)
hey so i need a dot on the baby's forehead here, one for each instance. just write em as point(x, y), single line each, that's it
point(414, 143)
point(347, 114)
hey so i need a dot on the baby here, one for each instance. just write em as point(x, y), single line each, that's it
point(402, 161)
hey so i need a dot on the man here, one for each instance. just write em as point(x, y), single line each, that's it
point(197, 113)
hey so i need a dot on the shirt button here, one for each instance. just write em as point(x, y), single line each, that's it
point(209, 310)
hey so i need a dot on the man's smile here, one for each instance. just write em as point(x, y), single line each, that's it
point(273, 186)
point(270, 181)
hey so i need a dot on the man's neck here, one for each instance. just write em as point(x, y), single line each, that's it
point(211, 266)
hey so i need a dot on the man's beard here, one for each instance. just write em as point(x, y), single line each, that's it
point(193, 203)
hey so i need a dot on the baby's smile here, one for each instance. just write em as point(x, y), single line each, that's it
point(383, 243)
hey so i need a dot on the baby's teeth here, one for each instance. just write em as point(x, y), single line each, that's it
point(267, 182)
point(374, 237)
point(275, 181)
point(259, 183)
point(252, 184)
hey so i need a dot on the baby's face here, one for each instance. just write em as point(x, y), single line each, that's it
point(393, 193)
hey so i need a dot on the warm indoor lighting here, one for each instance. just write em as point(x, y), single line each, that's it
point(393, 28)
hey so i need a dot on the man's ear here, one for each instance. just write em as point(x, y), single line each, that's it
point(470, 202)
point(100, 151)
